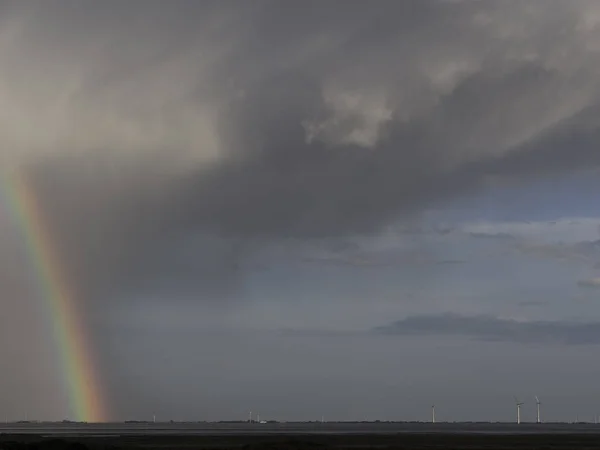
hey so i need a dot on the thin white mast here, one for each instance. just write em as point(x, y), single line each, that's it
point(518, 410)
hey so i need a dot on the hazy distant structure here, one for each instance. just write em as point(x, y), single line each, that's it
point(432, 413)
point(518, 409)
point(250, 417)
point(537, 403)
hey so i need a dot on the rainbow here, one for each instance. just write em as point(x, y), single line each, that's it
point(81, 385)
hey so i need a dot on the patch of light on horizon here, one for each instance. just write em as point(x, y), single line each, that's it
point(565, 230)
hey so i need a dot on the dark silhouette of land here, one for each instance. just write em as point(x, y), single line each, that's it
point(239, 435)
point(400, 441)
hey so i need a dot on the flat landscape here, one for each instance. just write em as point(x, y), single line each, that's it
point(299, 436)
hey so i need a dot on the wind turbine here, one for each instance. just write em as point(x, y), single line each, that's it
point(538, 403)
point(518, 410)
point(432, 413)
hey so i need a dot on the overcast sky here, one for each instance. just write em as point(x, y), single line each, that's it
point(303, 208)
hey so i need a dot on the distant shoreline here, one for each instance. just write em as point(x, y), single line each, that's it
point(291, 422)
point(290, 428)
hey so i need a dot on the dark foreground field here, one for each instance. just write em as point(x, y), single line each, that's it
point(404, 441)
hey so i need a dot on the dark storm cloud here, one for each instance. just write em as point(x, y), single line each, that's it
point(489, 328)
point(141, 123)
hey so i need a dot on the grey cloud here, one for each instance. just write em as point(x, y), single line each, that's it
point(590, 249)
point(451, 261)
point(591, 283)
point(587, 252)
point(264, 120)
point(490, 328)
point(502, 236)
point(412, 258)
point(532, 303)
point(338, 246)
point(443, 230)
point(368, 254)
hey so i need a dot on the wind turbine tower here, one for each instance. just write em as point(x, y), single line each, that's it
point(518, 410)
point(537, 403)
point(432, 413)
